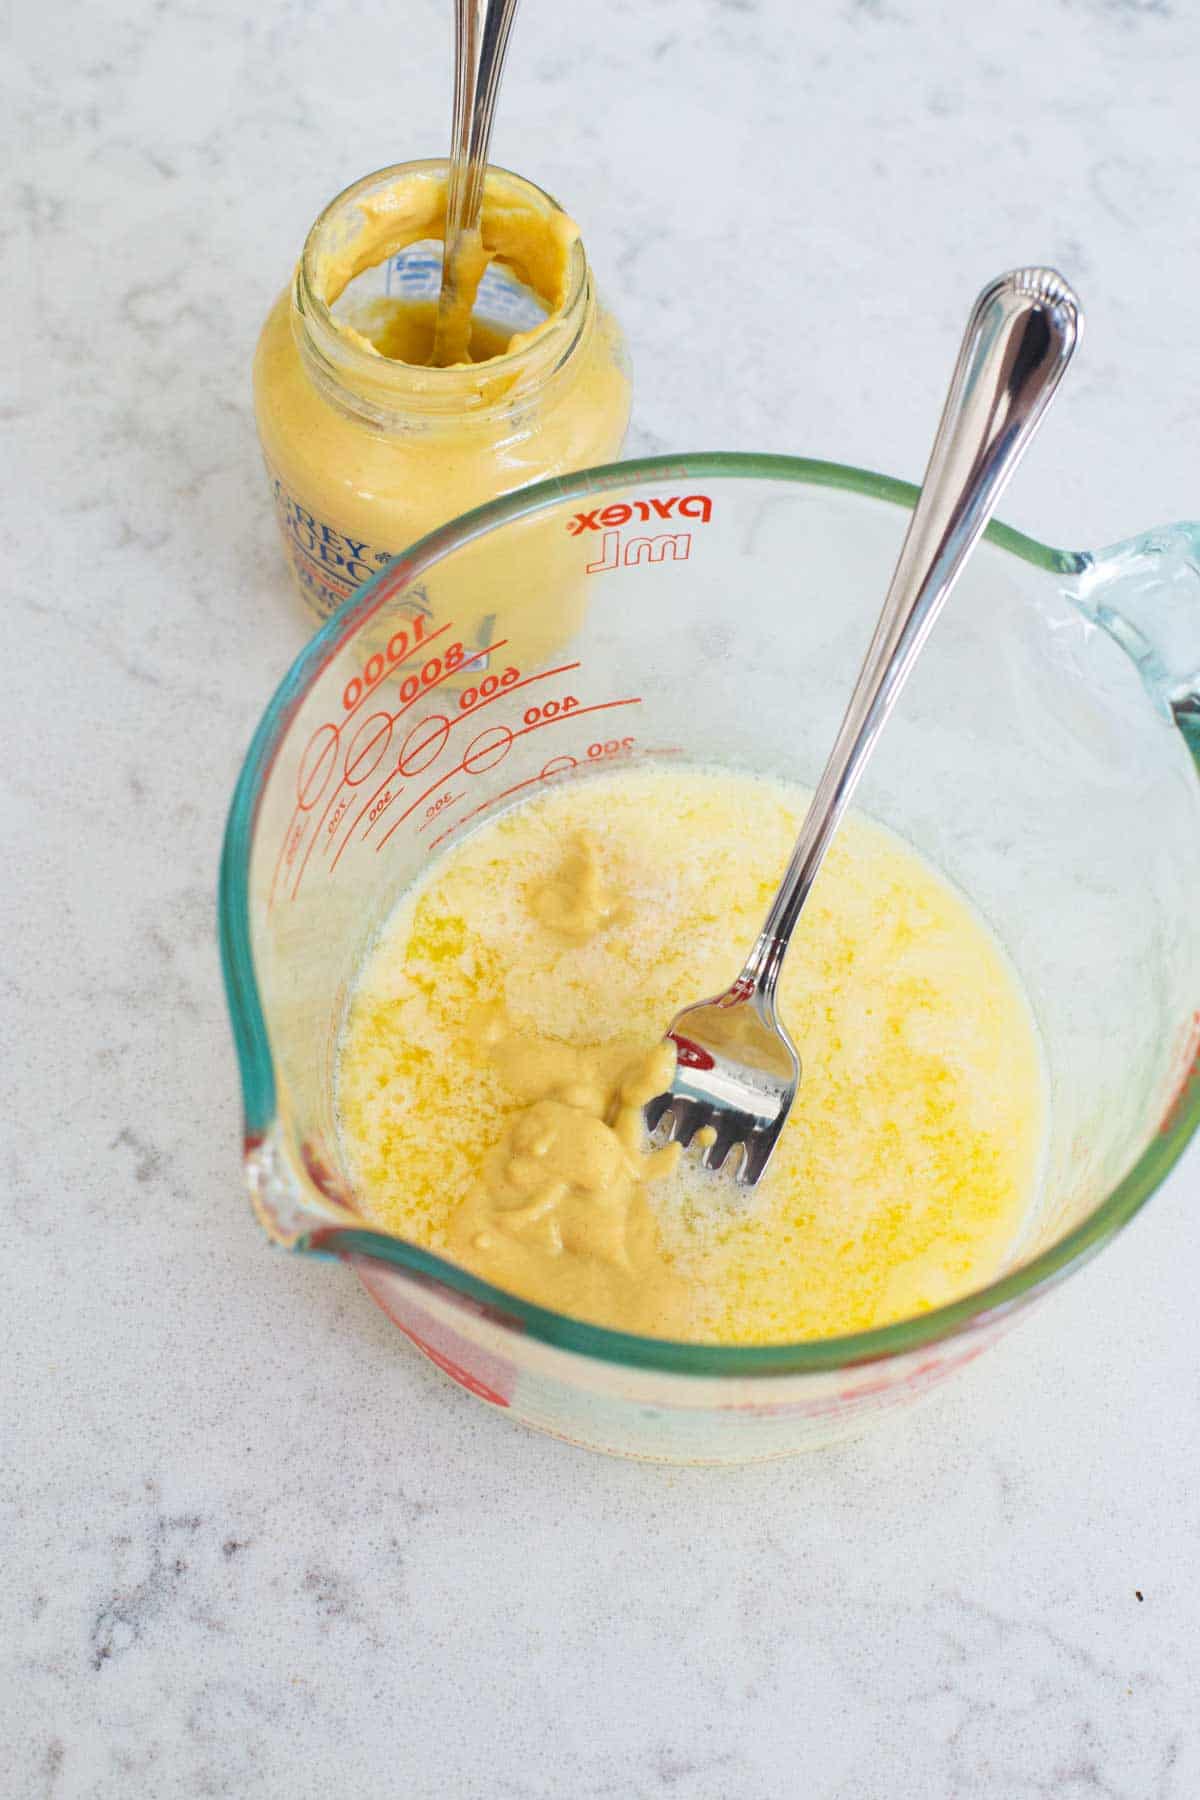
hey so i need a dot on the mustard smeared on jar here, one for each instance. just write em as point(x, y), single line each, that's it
point(367, 447)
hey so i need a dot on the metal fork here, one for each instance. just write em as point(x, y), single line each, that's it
point(737, 1070)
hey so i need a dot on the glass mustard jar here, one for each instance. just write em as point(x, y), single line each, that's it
point(367, 447)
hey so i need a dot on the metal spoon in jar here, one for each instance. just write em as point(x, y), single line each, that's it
point(481, 32)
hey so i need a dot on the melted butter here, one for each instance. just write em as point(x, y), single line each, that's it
point(503, 1034)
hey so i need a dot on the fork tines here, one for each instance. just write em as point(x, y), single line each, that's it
point(673, 1119)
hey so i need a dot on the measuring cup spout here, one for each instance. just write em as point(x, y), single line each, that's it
point(1145, 593)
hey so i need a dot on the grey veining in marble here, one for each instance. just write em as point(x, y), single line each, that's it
point(252, 1545)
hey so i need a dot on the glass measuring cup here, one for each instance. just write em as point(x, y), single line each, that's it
point(715, 608)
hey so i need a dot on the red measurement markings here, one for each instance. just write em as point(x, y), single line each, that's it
point(421, 643)
point(423, 745)
point(293, 837)
point(316, 766)
point(450, 668)
point(409, 750)
point(343, 807)
point(366, 742)
point(558, 765)
point(365, 809)
point(284, 841)
point(482, 753)
point(465, 765)
point(308, 791)
point(504, 794)
point(367, 747)
point(438, 808)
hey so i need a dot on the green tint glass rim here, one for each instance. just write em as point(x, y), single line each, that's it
point(596, 1341)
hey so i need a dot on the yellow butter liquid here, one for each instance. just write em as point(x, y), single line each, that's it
point(909, 1161)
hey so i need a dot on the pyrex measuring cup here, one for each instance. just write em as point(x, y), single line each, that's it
point(715, 608)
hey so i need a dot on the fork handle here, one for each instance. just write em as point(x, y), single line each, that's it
point(1021, 335)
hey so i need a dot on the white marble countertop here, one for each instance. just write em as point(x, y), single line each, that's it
point(254, 1546)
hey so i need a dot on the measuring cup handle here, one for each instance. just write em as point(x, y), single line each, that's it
point(1022, 333)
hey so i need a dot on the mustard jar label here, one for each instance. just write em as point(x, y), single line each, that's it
point(328, 564)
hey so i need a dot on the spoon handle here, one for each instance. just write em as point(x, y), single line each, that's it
point(1021, 335)
point(481, 34)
